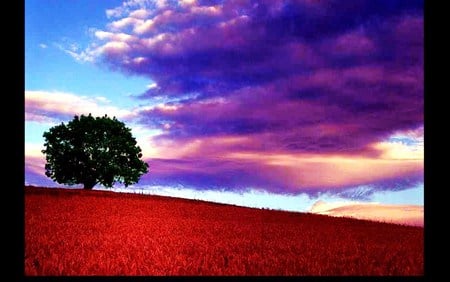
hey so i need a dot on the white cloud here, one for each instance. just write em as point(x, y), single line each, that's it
point(401, 214)
point(403, 145)
point(160, 3)
point(87, 55)
point(140, 14)
point(43, 46)
point(102, 99)
point(115, 46)
point(144, 26)
point(133, 19)
point(47, 105)
point(152, 85)
point(130, 5)
point(415, 136)
point(34, 158)
point(400, 151)
point(185, 3)
point(211, 10)
point(33, 150)
point(125, 22)
point(102, 35)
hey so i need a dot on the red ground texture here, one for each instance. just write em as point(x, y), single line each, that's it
point(77, 232)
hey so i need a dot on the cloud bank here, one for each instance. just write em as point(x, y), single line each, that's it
point(289, 96)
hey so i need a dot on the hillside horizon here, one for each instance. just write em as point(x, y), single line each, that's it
point(350, 210)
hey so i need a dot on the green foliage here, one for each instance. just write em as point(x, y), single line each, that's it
point(92, 151)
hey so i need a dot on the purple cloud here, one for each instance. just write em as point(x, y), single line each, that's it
point(297, 77)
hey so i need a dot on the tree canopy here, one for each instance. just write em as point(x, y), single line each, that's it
point(93, 150)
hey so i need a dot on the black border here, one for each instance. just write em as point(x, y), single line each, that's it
point(431, 122)
point(14, 137)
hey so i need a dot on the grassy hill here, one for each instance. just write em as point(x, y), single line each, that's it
point(77, 232)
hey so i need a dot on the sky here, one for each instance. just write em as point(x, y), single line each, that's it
point(270, 103)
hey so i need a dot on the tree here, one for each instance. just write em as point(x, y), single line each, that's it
point(92, 151)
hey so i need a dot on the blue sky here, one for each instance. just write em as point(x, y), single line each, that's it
point(49, 24)
point(324, 109)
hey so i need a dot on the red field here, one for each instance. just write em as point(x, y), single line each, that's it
point(76, 232)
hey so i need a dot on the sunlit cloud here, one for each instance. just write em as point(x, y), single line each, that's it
point(34, 163)
point(399, 214)
point(53, 105)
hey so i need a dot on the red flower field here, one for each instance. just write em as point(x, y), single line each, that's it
point(77, 232)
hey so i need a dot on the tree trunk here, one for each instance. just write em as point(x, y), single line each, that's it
point(88, 185)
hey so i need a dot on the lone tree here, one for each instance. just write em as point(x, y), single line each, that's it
point(92, 151)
